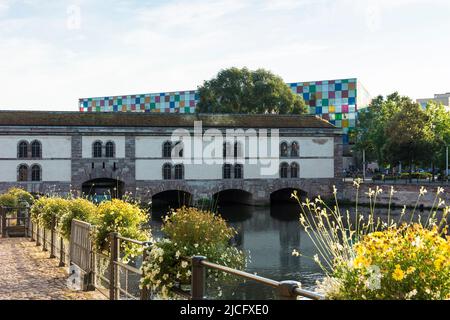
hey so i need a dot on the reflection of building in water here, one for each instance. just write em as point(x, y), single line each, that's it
point(289, 240)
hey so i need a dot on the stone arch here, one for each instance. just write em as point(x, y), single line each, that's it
point(99, 189)
point(165, 200)
point(233, 196)
point(283, 195)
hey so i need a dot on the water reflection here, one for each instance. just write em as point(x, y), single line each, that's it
point(269, 235)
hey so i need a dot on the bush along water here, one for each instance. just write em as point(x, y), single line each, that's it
point(190, 232)
point(366, 258)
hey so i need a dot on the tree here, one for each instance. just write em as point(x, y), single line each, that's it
point(369, 134)
point(440, 121)
point(409, 135)
point(237, 90)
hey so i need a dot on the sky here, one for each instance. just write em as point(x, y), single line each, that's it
point(54, 52)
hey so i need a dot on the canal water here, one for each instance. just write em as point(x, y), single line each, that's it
point(269, 235)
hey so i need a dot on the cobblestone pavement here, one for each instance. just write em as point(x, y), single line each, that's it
point(26, 272)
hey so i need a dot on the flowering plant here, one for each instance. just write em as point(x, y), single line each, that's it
point(122, 217)
point(367, 258)
point(80, 209)
point(190, 232)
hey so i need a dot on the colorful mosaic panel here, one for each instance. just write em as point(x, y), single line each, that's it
point(169, 102)
point(332, 100)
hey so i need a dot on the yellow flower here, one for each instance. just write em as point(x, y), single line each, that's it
point(410, 270)
point(398, 273)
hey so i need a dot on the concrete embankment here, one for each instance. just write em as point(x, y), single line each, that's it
point(405, 194)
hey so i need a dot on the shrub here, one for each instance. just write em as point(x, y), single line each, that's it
point(190, 232)
point(125, 218)
point(15, 197)
point(80, 209)
point(412, 262)
point(366, 258)
point(52, 208)
point(37, 208)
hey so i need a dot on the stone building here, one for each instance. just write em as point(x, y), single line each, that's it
point(111, 154)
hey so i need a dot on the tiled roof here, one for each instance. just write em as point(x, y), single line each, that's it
point(128, 119)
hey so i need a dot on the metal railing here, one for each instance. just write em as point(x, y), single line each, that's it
point(117, 280)
point(287, 290)
point(117, 288)
point(52, 241)
point(14, 221)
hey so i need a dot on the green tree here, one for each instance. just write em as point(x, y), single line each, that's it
point(439, 118)
point(244, 91)
point(370, 134)
point(409, 135)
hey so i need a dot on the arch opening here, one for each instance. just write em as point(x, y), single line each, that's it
point(164, 201)
point(233, 196)
point(283, 196)
point(98, 190)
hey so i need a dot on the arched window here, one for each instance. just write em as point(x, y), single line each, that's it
point(294, 170)
point(36, 174)
point(294, 149)
point(179, 172)
point(178, 150)
point(22, 150)
point(36, 149)
point(283, 149)
point(238, 171)
point(97, 149)
point(167, 171)
point(226, 149)
point(110, 149)
point(238, 150)
point(284, 168)
point(227, 171)
point(23, 173)
point(167, 149)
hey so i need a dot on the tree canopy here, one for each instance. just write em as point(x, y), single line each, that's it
point(237, 90)
point(396, 129)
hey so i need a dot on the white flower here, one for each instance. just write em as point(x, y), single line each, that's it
point(316, 258)
point(295, 253)
point(184, 264)
point(196, 245)
point(422, 191)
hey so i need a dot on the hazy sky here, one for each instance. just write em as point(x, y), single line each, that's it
point(53, 52)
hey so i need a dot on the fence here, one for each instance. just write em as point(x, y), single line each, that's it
point(116, 280)
point(14, 221)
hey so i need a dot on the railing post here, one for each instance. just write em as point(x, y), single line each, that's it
point(3, 217)
point(31, 229)
point(62, 256)
point(286, 290)
point(44, 239)
point(114, 293)
point(198, 278)
point(52, 238)
point(38, 240)
point(145, 294)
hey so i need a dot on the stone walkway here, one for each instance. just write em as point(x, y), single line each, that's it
point(26, 272)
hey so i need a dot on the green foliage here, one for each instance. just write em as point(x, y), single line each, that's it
point(125, 218)
point(397, 129)
point(16, 197)
point(52, 208)
point(80, 209)
point(190, 232)
point(244, 91)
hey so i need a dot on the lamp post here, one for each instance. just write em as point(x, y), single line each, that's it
point(446, 162)
point(364, 164)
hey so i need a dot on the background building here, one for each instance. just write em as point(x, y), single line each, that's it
point(439, 98)
point(114, 153)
